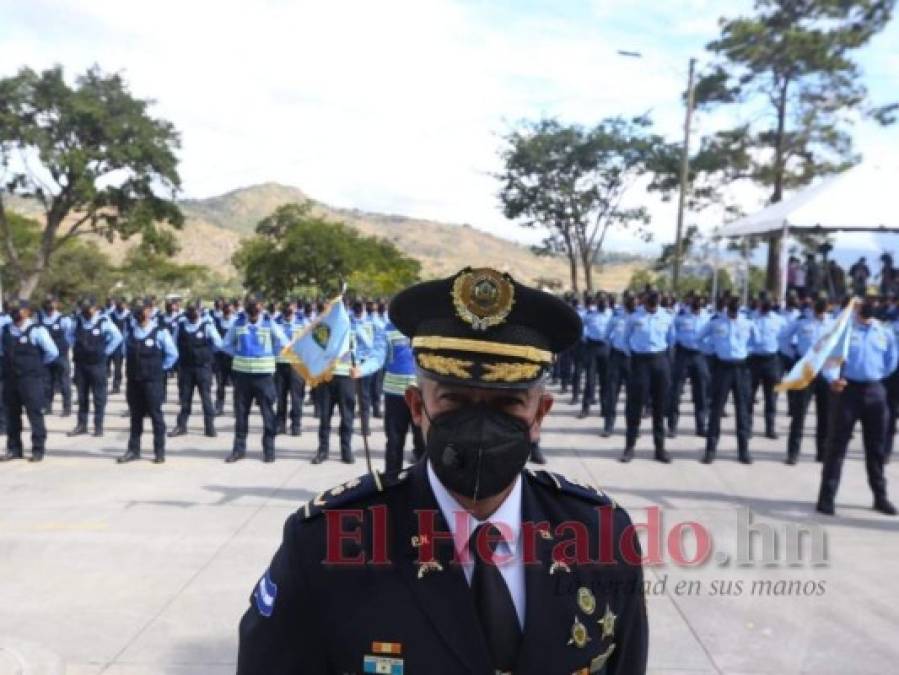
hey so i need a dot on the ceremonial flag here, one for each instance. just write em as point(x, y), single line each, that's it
point(829, 351)
point(314, 352)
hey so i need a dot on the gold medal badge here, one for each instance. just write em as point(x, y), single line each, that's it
point(483, 297)
point(585, 600)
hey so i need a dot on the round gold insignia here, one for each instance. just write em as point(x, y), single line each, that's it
point(483, 297)
point(579, 636)
point(585, 600)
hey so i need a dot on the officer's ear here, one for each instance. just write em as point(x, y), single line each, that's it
point(415, 401)
point(544, 405)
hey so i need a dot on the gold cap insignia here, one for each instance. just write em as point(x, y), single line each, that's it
point(483, 297)
point(585, 600)
point(579, 635)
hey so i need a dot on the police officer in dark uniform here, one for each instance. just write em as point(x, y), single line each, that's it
point(289, 386)
point(149, 353)
point(858, 393)
point(197, 341)
point(26, 349)
point(469, 576)
point(95, 339)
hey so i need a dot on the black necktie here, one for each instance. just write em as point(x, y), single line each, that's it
point(493, 601)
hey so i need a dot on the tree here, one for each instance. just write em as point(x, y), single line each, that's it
point(145, 270)
point(92, 157)
point(294, 248)
point(571, 181)
point(792, 58)
point(79, 267)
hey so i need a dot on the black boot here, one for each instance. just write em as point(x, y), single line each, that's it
point(320, 456)
point(663, 456)
point(129, 456)
point(825, 503)
point(709, 455)
point(159, 457)
point(11, 455)
point(79, 430)
point(296, 430)
point(66, 412)
point(235, 456)
point(627, 455)
point(209, 427)
point(884, 506)
point(282, 427)
point(36, 455)
point(98, 430)
point(347, 457)
point(219, 408)
point(744, 456)
point(268, 458)
point(179, 430)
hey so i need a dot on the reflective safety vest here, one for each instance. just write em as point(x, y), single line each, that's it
point(399, 373)
point(253, 351)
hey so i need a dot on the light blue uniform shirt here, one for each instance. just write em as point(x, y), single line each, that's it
point(798, 337)
point(163, 341)
point(192, 328)
point(649, 332)
point(112, 336)
point(596, 324)
point(65, 323)
point(617, 330)
point(688, 326)
point(728, 339)
point(872, 354)
point(768, 328)
point(40, 338)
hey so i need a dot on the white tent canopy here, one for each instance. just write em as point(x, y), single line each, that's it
point(863, 198)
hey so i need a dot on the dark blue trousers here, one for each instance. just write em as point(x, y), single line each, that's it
point(619, 372)
point(865, 401)
point(689, 363)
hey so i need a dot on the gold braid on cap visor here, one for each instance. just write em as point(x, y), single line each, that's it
point(482, 347)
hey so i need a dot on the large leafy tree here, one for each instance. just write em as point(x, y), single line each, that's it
point(571, 181)
point(93, 158)
point(788, 75)
point(293, 248)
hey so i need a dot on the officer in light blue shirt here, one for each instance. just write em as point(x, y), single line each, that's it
point(197, 341)
point(892, 385)
point(795, 340)
point(689, 361)
point(4, 319)
point(596, 353)
point(619, 358)
point(289, 386)
point(26, 349)
point(60, 371)
point(149, 353)
point(649, 334)
point(858, 393)
point(729, 336)
point(765, 366)
point(374, 315)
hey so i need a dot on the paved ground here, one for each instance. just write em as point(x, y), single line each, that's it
point(140, 569)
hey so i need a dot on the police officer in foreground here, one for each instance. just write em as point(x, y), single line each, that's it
point(858, 393)
point(26, 349)
point(470, 578)
point(95, 338)
point(149, 353)
point(197, 341)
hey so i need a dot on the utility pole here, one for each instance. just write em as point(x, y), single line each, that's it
point(684, 176)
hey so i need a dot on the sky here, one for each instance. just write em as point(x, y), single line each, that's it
point(397, 106)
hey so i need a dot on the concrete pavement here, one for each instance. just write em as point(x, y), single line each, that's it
point(140, 569)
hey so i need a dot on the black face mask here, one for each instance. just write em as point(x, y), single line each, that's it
point(252, 310)
point(477, 451)
point(16, 316)
point(192, 315)
point(866, 311)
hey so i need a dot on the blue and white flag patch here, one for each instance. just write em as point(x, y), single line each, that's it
point(265, 594)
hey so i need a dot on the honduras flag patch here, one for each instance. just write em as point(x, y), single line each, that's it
point(265, 594)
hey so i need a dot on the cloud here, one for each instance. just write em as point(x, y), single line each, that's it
point(392, 106)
